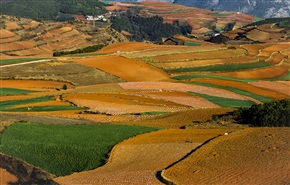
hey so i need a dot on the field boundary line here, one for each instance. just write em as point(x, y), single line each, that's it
point(23, 63)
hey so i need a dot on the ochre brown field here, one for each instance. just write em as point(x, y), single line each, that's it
point(274, 90)
point(199, 63)
point(7, 178)
point(242, 157)
point(126, 69)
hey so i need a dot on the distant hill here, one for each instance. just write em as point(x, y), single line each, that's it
point(259, 8)
point(52, 9)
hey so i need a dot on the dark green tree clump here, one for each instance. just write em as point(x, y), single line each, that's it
point(60, 10)
point(270, 114)
point(77, 51)
point(147, 28)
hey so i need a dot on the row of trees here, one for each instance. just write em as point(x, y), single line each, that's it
point(83, 50)
point(270, 114)
point(52, 9)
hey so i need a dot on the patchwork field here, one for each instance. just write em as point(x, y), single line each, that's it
point(92, 108)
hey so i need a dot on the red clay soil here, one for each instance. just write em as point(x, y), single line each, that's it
point(169, 86)
point(7, 178)
point(126, 69)
point(37, 84)
point(249, 156)
point(137, 160)
point(283, 88)
point(126, 47)
point(277, 91)
point(268, 72)
point(199, 63)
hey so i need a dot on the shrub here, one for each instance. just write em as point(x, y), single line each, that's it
point(270, 114)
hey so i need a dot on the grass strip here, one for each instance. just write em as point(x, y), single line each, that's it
point(13, 91)
point(225, 102)
point(188, 77)
point(18, 60)
point(64, 149)
point(45, 108)
point(188, 43)
point(221, 68)
point(238, 91)
point(4, 105)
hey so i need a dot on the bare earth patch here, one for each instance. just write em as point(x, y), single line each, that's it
point(126, 69)
point(249, 156)
point(7, 178)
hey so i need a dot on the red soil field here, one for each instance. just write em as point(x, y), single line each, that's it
point(198, 63)
point(20, 45)
point(7, 178)
point(269, 28)
point(126, 47)
point(168, 86)
point(201, 55)
point(281, 87)
point(274, 48)
point(258, 35)
point(250, 87)
point(117, 104)
point(253, 49)
point(31, 84)
point(12, 26)
point(268, 72)
point(242, 157)
point(181, 98)
point(32, 24)
point(131, 70)
point(9, 39)
point(6, 33)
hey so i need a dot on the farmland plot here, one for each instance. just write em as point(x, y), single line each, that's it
point(223, 53)
point(242, 157)
point(168, 86)
point(115, 105)
point(131, 70)
point(283, 88)
point(198, 63)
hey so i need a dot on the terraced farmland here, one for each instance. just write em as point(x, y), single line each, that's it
point(176, 88)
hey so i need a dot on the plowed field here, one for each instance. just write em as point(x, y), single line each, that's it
point(168, 86)
point(274, 86)
point(198, 63)
point(202, 55)
point(242, 157)
point(269, 72)
point(38, 84)
point(7, 178)
point(274, 92)
point(126, 69)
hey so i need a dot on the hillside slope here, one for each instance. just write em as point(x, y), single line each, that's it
point(259, 8)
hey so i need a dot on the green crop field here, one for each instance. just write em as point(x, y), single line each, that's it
point(45, 108)
point(18, 60)
point(187, 43)
point(64, 149)
point(239, 91)
point(13, 91)
point(225, 102)
point(188, 77)
point(224, 67)
point(5, 105)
